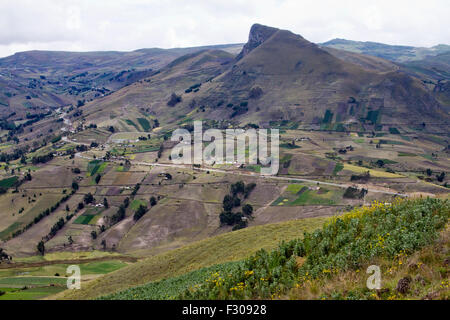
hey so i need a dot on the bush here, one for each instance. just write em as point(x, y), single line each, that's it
point(174, 99)
point(247, 210)
point(345, 243)
point(140, 212)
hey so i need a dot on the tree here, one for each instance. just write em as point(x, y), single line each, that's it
point(70, 240)
point(237, 187)
point(75, 185)
point(247, 209)
point(23, 160)
point(94, 234)
point(41, 247)
point(4, 256)
point(105, 203)
point(97, 178)
point(228, 203)
point(429, 172)
point(153, 201)
point(441, 177)
point(88, 198)
point(174, 99)
point(111, 129)
point(140, 212)
point(380, 163)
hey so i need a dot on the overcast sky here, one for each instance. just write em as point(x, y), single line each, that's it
point(86, 25)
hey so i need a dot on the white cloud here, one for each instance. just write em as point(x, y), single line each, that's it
point(132, 24)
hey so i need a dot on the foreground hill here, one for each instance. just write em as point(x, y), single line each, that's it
point(325, 264)
point(224, 248)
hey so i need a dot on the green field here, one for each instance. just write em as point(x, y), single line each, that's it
point(94, 166)
point(84, 219)
point(29, 293)
point(131, 123)
point(136, 203)
point(8, 182)
point(144, 124)
point(299, 195)
point(18, 282)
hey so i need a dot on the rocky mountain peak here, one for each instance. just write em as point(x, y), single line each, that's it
point(258, 35)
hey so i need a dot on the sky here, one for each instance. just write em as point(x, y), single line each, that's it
point(125, 25)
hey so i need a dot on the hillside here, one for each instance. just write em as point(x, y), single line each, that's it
point(281, 76)
point(396, 53)
point(86, 170)
point(42, 79)
point(224, 248)
point(325, 264)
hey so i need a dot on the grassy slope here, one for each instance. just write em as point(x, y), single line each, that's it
point(426, 268)
point(232, 246)
point(380, 234)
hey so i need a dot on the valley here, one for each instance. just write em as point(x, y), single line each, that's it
point(87, 177)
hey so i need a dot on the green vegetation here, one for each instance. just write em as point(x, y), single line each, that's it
point(26, 293)
point(338, 168)
point(346, 243)
point(84, 219)
point(144, 124)
point(298, 195)
point(394, 131)
point(233, 246)
point(8, 182)
point(170, 288)
point(96, 166)
point(131, 123)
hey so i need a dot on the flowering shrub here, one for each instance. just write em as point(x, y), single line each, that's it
point(346, 242)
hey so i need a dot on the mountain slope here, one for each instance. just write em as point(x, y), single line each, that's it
point(299, 81)
point(42, 79)
point(389, 52)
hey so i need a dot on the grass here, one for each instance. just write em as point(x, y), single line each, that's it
point(93, 167)
point(425, 269)
point(30, 293)
point(310, 197)
point(406, 154)
point(84, 219)
point(294, 188)
point(373, 173)
point(169, 288)
point(18, 282)
point(8, 182)
point(131, 123)
point(136, 203)
point(298, 195)
point(144, 124)
point(364, 236)
point(233, 246)
point(338, 168)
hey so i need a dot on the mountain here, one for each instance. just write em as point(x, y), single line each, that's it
point(36, 80)
point(282, 76)
point(279, 76)
point(389, 52)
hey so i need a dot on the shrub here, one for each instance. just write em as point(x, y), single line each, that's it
point(344, 243)
point(140, 212)
point(174, 99)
